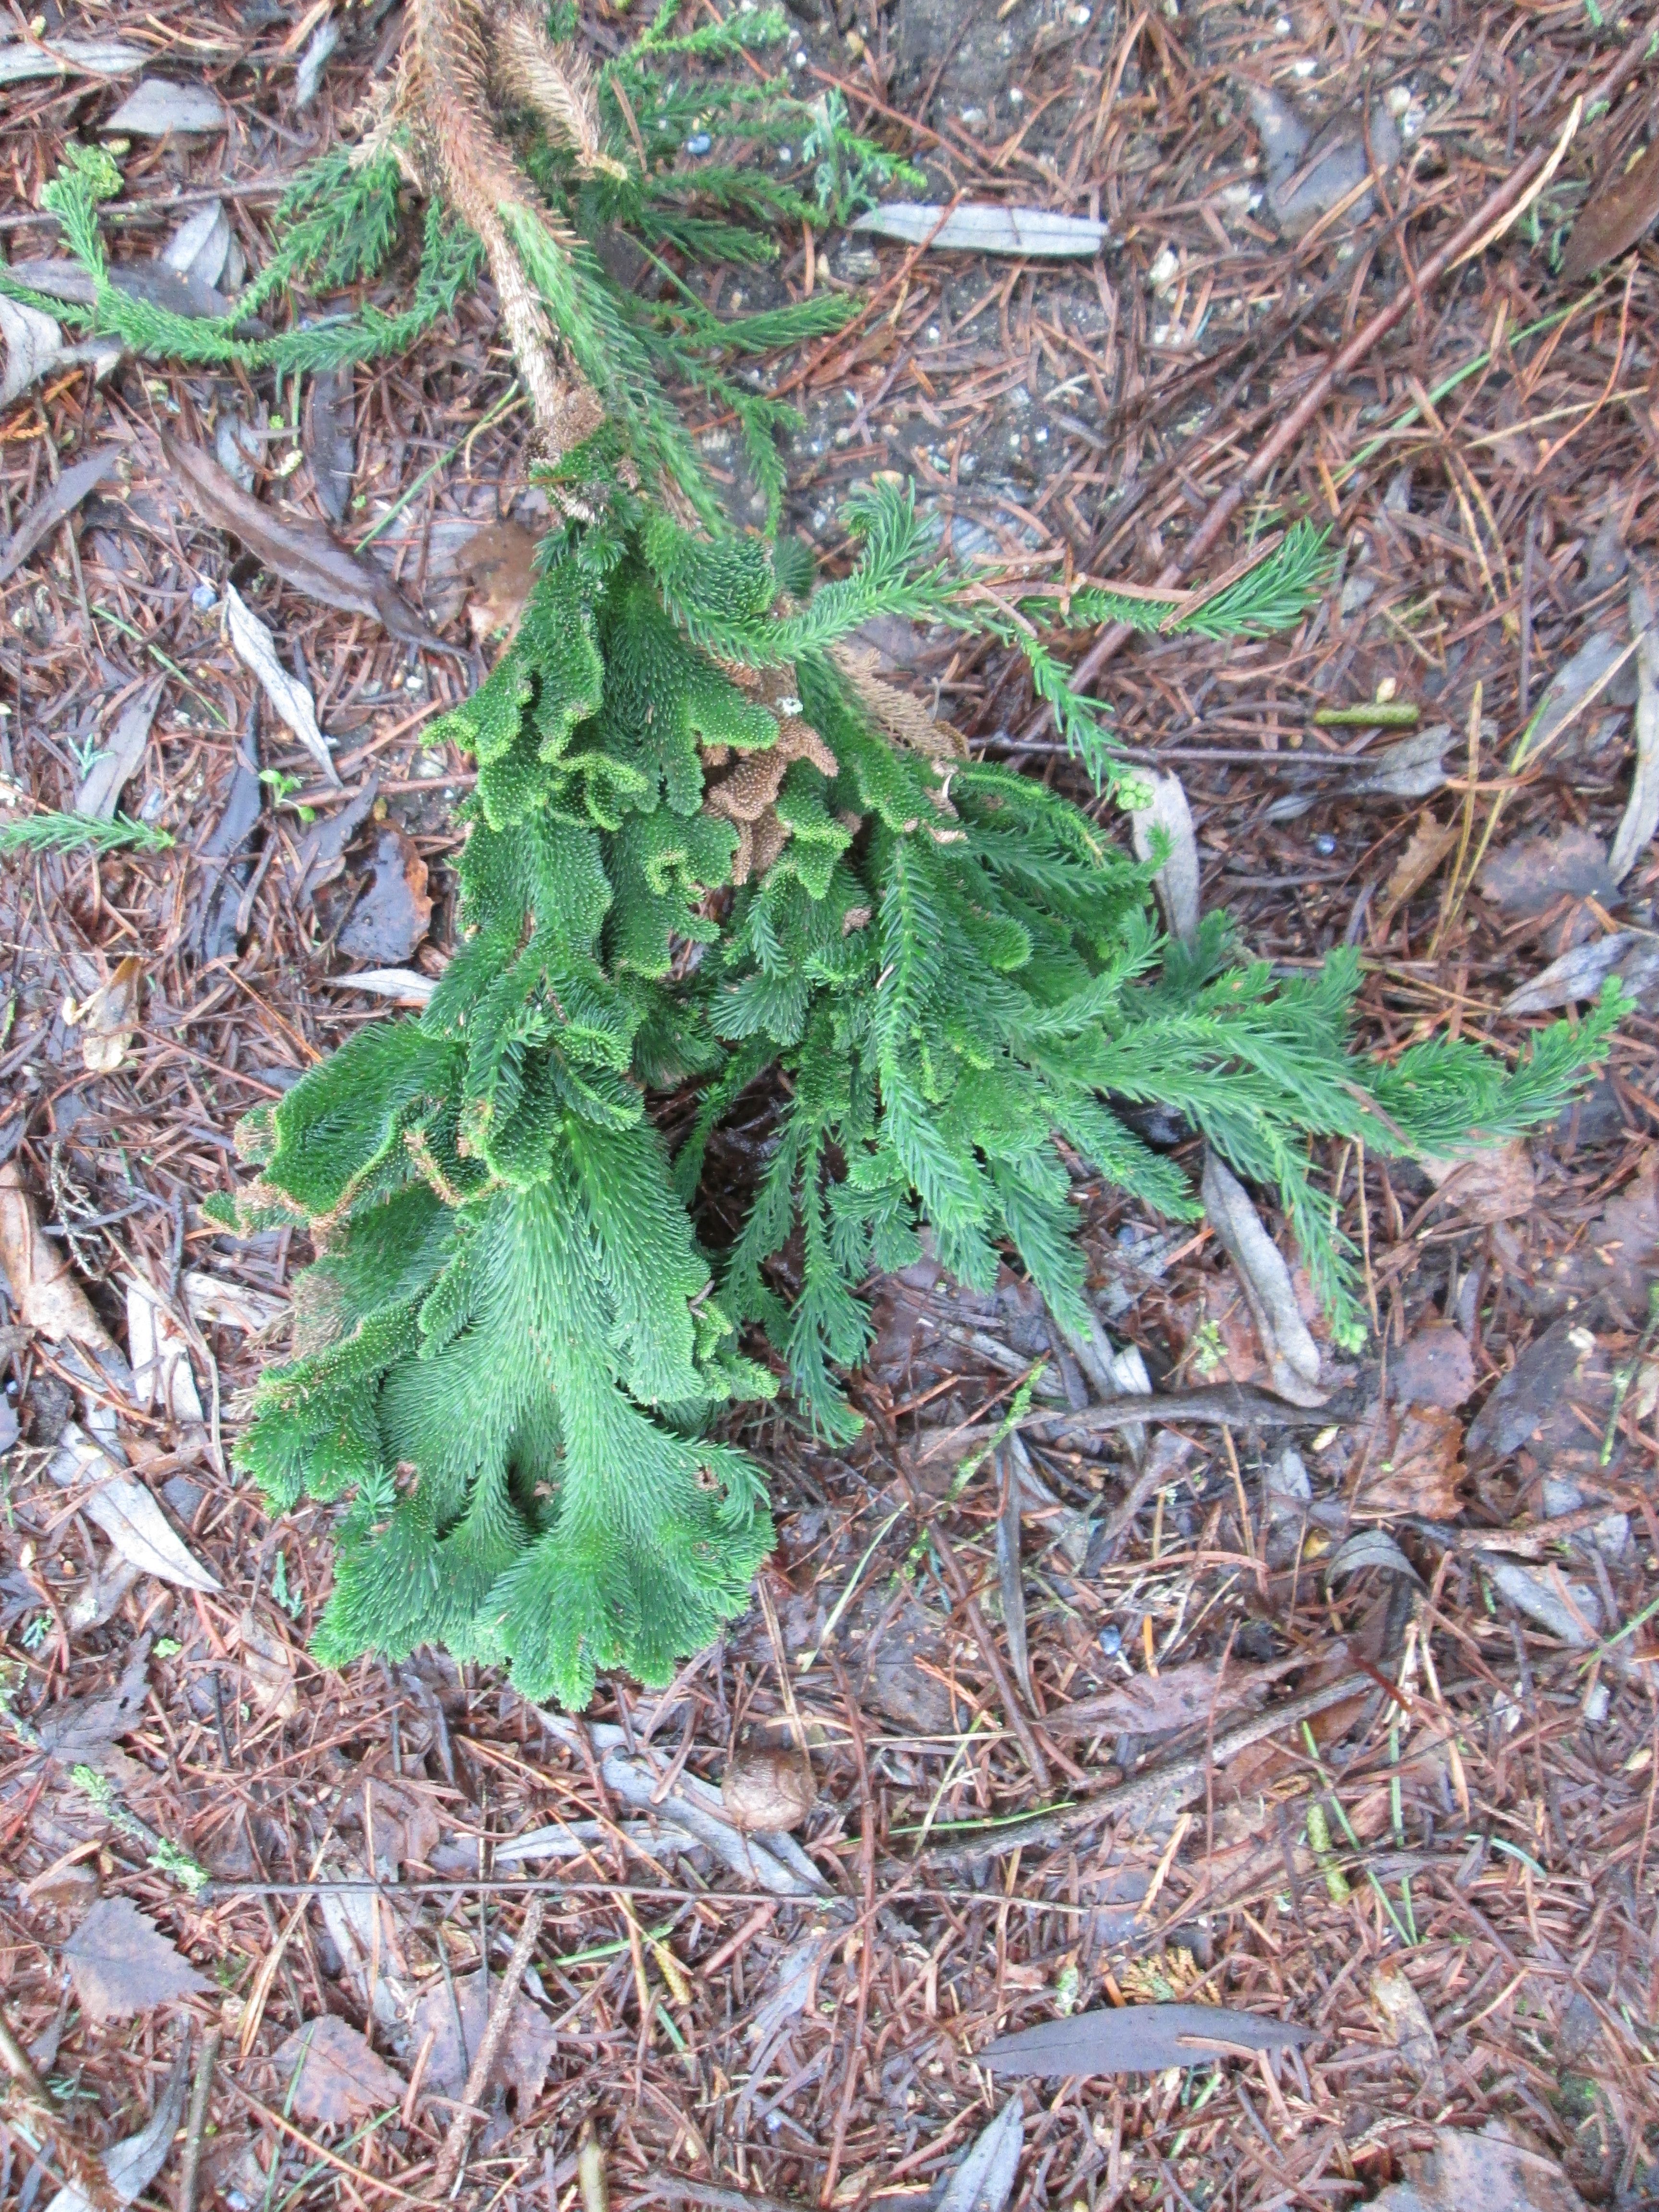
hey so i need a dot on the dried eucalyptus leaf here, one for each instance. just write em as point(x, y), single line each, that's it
point(133, 2165)
point(1293, 1354)
point(159, 107)
point(121, 756)
point(256, 649)
point(1032, 233)
point(22, 59)
point(985, 2179)
point(126, 1513)
point(1176, 880)
point(1138, 2040)
point(1641, 817)
point(33, 343)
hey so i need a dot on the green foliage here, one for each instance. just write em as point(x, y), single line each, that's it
point(512, 1346)
point(694, 858)
point(81, 833)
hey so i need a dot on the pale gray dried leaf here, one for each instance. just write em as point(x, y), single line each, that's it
point(233, 1305)
point(1293, 1357)
point(1169, 818)
point(1562, 1609)
point(985, 2179)
point(527, 2051)
point(32, 343)
point(1137, 2039)
point(1483, 2172)
point(237, 448)
point(336, 2077)
point(1410, 2030)
point(200, 247)
point(1531, 875)
point(121, 1964)
point(1629, 954)
point(1498, 1184)
point(1527, 1395)
point(309, 75)
point(126, 1513)
point(120, 754)
point(133, 2165)
point(1311, 169)
point(1031, 233)
point(159, 105)
point(574, 1839)
point(1576, 684)
point(1641, 817)
point(159, 1349)
point(22, 59)
point(256, 649)
point(79, 1731)
point(405, 985)
point(1410, 769)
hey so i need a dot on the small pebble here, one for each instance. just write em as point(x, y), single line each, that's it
point(1324, 844)
point(203, 597)
point(1111, 1641)
point(698, 142)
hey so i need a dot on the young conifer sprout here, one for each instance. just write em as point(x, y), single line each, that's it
point(710, 846)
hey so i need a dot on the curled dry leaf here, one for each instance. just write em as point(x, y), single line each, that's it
point(121, 1964)
point(256, 649)
point(108, 1017)
point(132, 2165)
point(55, 505)
point(210, 1298)
point(1415, 1464)
point(406, 985)
point(336, 2078)
point(1428, 845)
point(499, 565)
point(267, 1667)
point(1152, 1704)
point(525, 2054)
point(1483, 2172)
point(1491, 1185)
point(160, 1353)
point(44, 1288)
point(392, 914)
point(1409, 2029)
point(81, 1730)
point(1435, 1368)
point(769, 1787)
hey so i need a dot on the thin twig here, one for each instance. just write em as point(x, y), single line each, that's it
point(201, 2091)
point(494, 2034)
point(1126, 1800)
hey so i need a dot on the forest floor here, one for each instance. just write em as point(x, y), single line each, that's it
point(1353, 1724)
